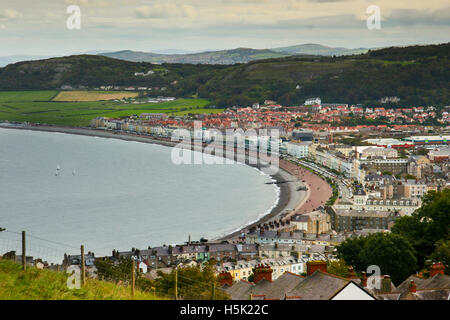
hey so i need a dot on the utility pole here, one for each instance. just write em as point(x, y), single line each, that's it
point(83, 269)
point(133, 277)
point(24, 252)
point(176, 284)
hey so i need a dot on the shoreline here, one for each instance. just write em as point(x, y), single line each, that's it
point(289, 199)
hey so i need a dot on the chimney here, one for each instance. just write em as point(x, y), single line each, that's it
point(225, 278)
point(312, 266)
point(386, 285)
point(351, 273)
point(364, 279)
point(262, 272)
point(437, 268)
point(412, 286)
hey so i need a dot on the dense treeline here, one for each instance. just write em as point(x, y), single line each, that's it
point(192, 282)
point(414, 243)
point(418, 75)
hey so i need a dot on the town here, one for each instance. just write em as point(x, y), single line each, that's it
point(370, 176)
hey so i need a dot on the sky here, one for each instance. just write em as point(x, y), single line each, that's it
point(39, 27)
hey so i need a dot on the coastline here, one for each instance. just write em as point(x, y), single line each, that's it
point(289, 199)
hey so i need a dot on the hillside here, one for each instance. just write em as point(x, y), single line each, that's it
point(319, 50)
point(418, 75)
point(49, 285)
point(90, 71)
point(239, 55)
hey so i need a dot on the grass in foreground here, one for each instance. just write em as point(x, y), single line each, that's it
point(35, 284)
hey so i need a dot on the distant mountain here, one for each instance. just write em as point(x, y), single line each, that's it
point(175, 51)
point(135, 56)
point(320, 50)
point(239, 55)
point(16, 58)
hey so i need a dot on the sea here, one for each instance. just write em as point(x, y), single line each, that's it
point(68, 190)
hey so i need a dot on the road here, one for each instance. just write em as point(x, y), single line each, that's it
point(344, 187)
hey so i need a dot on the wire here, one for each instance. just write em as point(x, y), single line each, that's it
point(42, 239)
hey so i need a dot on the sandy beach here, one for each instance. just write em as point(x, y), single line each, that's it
point(288, 178)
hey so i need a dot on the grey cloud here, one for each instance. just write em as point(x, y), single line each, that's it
point(164, 11)
point(7, 14)
point(326, 1)
point(409, 17)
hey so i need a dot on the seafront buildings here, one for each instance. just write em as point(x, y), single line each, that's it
point(378, 174)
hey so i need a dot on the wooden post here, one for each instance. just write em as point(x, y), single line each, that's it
point(24, 252)
point(213, 291)
point(176, 284)
point(133, 277)
point(83, 268)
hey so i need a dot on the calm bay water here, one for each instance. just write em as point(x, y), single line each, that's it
point(114, 194)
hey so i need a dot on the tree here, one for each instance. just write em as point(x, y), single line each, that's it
point(338, 268)
point(108, 270)
point(435, 214)
point(442, 254)
point(391, 252)
point(427, 225)
point(350, 250)
point(193, 283)
point(412, 229)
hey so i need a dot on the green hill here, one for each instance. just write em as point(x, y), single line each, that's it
point(418, 75)
point(35, 284)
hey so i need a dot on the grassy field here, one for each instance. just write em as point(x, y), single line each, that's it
point(76, 96)
point(38, 107)
point(35, 284)
point(27, 96)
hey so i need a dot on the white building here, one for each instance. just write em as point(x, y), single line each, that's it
point(298, 150)
point(143, 267)
point(312, 101)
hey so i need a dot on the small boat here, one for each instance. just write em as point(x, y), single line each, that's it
point(58, 168)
